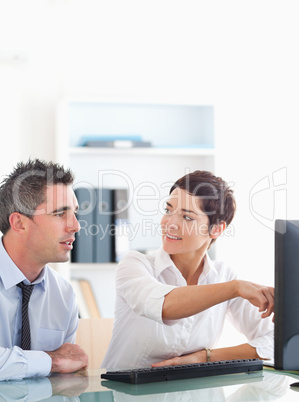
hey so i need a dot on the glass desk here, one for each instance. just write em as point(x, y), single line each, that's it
point(87, 386)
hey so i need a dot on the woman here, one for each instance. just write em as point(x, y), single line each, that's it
point(171, 306)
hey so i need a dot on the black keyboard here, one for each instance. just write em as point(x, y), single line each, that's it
point(168, 373)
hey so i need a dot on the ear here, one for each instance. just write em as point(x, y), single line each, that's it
point(17, 222)
point(217, 230)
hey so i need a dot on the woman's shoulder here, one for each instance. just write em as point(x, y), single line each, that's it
point(137, 257)
point(223, 270)
point(134, 255)
point(135, 262)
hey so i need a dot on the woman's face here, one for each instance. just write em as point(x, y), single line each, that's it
point(185, 227)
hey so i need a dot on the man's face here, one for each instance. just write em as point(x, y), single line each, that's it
point(52, 229)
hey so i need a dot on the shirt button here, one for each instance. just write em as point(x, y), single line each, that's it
point(19, 331)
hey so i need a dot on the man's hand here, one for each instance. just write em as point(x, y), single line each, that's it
point(69, 384)
point(68, 358)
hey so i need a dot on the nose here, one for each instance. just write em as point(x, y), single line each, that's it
point(172, 222)
point(73, 225)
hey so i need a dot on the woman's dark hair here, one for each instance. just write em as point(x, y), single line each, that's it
point(215, 197)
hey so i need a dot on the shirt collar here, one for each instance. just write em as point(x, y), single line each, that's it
point(11, 275)
point(208, 267)
point(163, 261)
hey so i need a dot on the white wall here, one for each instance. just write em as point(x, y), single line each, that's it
point(10, 78)
point(240, 56)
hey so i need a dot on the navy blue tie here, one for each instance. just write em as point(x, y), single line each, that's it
point(26, 293)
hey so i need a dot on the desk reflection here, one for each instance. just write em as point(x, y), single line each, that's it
point(272, 387)
point(62, 387)
point(244, 387)
point(259, 386)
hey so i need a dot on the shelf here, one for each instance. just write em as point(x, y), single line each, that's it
point(76, 266)
point(142, 151)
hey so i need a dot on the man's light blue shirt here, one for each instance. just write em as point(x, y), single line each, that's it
point(53, 316)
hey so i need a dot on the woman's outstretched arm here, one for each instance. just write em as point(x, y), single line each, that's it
point(189, 300)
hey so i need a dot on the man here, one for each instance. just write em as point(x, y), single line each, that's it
point(38, 222)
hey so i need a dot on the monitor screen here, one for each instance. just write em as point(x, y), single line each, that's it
point(286, 351)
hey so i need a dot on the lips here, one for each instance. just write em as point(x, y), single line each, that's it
point(171, 237)
point(68, 242)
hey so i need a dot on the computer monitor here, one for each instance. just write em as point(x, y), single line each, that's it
point(286, 350)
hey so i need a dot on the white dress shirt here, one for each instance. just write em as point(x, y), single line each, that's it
point(140, 337)
point(53, 316)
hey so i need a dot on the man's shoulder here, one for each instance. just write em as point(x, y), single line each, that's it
point(54, 278)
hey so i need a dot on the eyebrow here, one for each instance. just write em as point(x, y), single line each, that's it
point(183, 209)
point(189, 211)
point(62, 209)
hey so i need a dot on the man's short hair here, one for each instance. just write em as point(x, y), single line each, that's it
point(24, 189)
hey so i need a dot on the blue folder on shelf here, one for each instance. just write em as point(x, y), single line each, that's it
point(86, 139)
point(121, 240)
point(103, 242)
point(83, 250)
point(103, 217)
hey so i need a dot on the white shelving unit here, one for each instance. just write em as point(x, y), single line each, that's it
point(182, 138)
